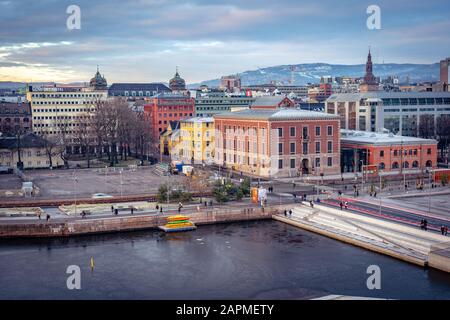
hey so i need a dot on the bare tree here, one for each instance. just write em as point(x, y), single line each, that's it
point(426, 126)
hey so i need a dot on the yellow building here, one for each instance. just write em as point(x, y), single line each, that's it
point(34, 152)
point(197, 140)
point(53, 108)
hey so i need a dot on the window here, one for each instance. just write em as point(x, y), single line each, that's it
point(292, 148)
point(292, 131)
point(317, 147)
point(305, 147)
point(330, 161)
point(381, 166)
point(317, 131)
point(280, 163)
point(292, 163)
point(280, 148)
point(382, 153)
point(330, 146)
point(305, 132)
point(280, 132)
point(330, 130)
point(317, 162)
point(429, 151)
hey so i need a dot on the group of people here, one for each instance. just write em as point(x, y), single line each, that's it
point(444, 230)
point(286, 213)
point(343, 205)
point(47, 217)
point(424, 224)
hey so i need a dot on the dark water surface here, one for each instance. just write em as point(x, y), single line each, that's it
point(253, 260)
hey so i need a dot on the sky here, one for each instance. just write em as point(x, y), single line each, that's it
point(145, 40)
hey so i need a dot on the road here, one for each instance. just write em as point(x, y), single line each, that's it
point(392, 213)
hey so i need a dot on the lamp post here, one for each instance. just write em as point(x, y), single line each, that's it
point(74, 190)
point(429, 191)
point(121, 182)
point(379, 174)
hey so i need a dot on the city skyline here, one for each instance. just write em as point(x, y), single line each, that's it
point(144, 40)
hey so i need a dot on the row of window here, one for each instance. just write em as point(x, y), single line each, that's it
point(66, 95)
point(406, 165)
point(293, 147)
point(34, 103)
point(415, 101)
point(65, 110)
point(293, 164)
point(174, 115)
point(15, 120)
point(411, 152)
point(292, 131)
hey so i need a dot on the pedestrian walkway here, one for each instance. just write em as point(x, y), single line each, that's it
point(396, 240)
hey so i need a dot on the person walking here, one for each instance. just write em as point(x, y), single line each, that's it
point(311, 203)
point(346, 205)
point(421, 223)
point(132, 210)
point(112, 209)
point(425, 224)
point(445, 230)
point(39, 215)
point(157, 206)
point(116, 211)
point(47, 217)
point(442, 230)
point(290, 212)
point(341, 204)
point(285, 213)
point(160, 209)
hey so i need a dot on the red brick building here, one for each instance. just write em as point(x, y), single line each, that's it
point(15, 118)
point(163, 108)
point(386, 152)
point(278, 142)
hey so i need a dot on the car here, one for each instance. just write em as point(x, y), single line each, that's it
point(101, 196)
point(5, 169)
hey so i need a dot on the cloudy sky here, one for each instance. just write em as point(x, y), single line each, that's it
point(144, 40)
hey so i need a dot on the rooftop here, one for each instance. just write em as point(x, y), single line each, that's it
point(342, 97)
point(199, 119)
point(138, 87)
point(380, 138)
point(275, 114)
point(268, 101)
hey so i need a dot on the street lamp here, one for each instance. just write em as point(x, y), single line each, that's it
point(379, 174)
point(74, 190)
point(121, 182)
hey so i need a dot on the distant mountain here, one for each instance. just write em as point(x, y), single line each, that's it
point(311, 73)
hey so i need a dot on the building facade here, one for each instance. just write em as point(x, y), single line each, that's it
point(402, 113)
point(386, 152)
point(207, 104)
point(163, 108)
point(58, 109)
point(278, 142)
point(197, 140)
point(15, 118)
point(33, 153)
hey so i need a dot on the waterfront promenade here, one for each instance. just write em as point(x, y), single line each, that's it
point(393, 239)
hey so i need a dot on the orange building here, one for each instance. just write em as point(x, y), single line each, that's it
point(386, 152)
point(278, 142)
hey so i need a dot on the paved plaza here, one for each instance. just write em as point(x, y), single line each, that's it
point(113, 181)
